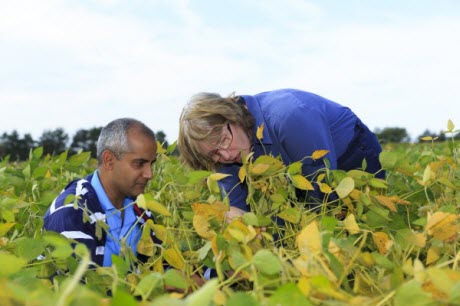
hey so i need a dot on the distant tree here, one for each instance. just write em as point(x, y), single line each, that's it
point(54, 142)
point(18, 148)
point(161, 137)
point(392, 134)
point(440, 137)
point(86, 140)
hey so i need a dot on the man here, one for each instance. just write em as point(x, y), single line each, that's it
point(126, 150)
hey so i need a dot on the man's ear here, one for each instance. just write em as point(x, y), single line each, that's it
point(108, 159)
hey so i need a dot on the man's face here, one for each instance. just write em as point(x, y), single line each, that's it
point(134, 170)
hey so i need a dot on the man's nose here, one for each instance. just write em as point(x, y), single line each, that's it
point(148, 172)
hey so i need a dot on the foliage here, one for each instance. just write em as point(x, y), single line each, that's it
point(371, 241)
point(54, 142)
point(16, 147)
point(392, 134)
point(86, 141)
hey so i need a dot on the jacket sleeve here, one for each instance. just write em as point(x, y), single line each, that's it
point(231, 187)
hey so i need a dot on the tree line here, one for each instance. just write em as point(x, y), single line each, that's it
point(17, 148)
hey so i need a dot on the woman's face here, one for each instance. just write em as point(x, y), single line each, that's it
point(228, 149)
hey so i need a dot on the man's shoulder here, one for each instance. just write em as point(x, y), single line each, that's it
point(77, 193)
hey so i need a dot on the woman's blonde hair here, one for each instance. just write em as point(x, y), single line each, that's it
point(203, 118)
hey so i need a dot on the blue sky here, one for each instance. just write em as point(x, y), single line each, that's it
point(80, 64)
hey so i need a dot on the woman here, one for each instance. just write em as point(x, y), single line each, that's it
point(216, 132)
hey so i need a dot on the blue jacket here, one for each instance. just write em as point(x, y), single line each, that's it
point(62, 217)
point(297, 123)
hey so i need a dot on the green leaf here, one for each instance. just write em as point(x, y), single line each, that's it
point(328, 223)
point(290, 214)
point(195, 177)
point(241, 299)
point(287, 295)
point(378, 183)
point(382, 261)
point(295, 168)
point(76, 161)
point(120, 265)
point(147, 284)
point(204, 250)
point(411, 293)
point(40, 172)
point(388, 159)
point(204, 295)
point(29, 248)
point(176, 279)
point(267, 262)
point(250, 219)
point(37, 153)
point(122, 298)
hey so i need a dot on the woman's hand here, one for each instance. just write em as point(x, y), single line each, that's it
point(233, 213)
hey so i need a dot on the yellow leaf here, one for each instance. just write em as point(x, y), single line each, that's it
point(48, 173)
point(161, 232)
point(397, 200)
point(259, 169)
point(234, 227)
point(426, 138)
point(260, 132)
point(158, 208)
point(215, 210)
point(366, 259)
point(301, 182)
point(386, 201)
point(442, 226)
point(350, 224)
point(304, 286)
point(146, 245)
point(432, 255)
point(236, 234)
point(345, 187)
point(382, 242)
point(219, 298)
point(5, 227)
point(218, 176)
point(242, 174)
point(450, 126)
point(319, 153)
point(160, 149)
point(202, 227)
point(213, 186)
point(325, 188)
point(150, 204)
point(426, 175)
point(309, 239)
point(419, 240)
point(173, 257)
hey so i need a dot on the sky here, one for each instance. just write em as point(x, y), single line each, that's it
point(80, 64)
